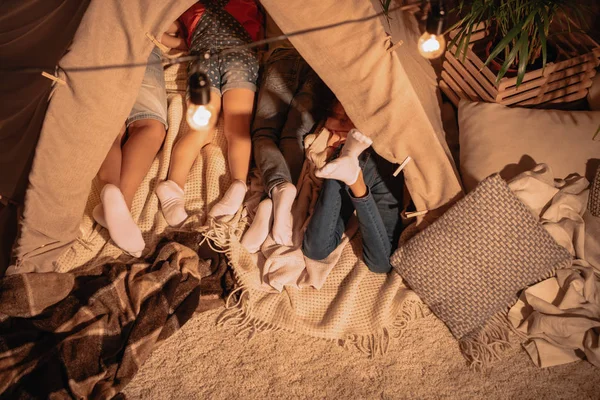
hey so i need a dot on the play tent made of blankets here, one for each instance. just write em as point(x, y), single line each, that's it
point(372, 66)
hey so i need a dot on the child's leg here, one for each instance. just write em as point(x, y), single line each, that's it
point(145, 138)
point(237, 113)
point(300, 121)
point(110, 170)
point(238, 105)
point(328, 222)
point(375, 241)
point(187, 148)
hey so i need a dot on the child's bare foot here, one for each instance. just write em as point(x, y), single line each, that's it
point(346, 168)
point(172, 202)
point(121, 226)
point(231, 201)
point(283, 198)
point(256, 235)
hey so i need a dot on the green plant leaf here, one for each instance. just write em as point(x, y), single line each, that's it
point(504, 42)
point(509, 60)
point(543, 45)
point(523, 58)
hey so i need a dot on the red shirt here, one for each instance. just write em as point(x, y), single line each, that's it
point(244, 11)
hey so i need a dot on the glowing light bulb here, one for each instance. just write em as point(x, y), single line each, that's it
point(198, 116)
point(431, 46)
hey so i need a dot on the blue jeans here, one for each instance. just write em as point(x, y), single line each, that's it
point(378, 215)
point(285, 112)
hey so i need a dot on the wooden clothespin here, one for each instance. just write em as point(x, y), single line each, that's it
point(54, 78)
point(401, 167)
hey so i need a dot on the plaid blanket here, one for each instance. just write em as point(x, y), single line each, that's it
point(84, 334)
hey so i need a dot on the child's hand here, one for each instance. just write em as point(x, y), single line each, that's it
point(174, 37)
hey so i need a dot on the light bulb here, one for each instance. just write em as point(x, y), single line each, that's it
point(431, 46)
point(198, 116)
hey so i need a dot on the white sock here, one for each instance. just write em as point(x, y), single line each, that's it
point(98, 214)
point(283, 198)
point(121, 226)
point(172, 202)
point(258, 231)
point(346, 168)
point(231, 201)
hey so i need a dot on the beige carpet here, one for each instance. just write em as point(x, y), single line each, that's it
point(202, 361)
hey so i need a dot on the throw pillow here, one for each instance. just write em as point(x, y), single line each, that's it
point(470, 264)
point(495, 138)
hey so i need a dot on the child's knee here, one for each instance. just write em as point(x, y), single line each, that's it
point(148, 127)
point(315, 250)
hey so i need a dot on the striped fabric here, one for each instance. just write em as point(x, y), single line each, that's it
point(85, 333)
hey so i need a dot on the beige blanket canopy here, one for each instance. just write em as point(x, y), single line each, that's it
point(389, 92)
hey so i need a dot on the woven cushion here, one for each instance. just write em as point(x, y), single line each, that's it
point(469, 265)
point(594, 200)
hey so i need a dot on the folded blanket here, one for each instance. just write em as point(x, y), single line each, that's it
point(336, 299)
point(286, 266)
point(561, 315)
point(84, 334)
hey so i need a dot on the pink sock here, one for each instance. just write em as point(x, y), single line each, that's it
point(231, 201)
point(172, 202)
point(283, 198)
point(258, 231)
point(121, 226)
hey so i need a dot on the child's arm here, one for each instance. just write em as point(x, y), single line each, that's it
point(174, 37)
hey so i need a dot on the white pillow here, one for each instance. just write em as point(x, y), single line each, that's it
point(494, 138)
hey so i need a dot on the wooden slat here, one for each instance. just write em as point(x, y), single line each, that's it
point(476, 73)
point(456, 76)
point(588, 61)
point(454, 98)
point(546, 83)
point(548, 96)
point(450, 82)
point(479, 64)
point(470, 80)
point(565, 99)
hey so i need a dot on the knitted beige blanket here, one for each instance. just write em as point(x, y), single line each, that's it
point(352, 306)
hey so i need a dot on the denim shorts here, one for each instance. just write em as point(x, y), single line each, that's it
point(151, 102)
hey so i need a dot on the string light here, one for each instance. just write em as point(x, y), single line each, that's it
point(193, 57)
point(432, 43)
point(199, 110)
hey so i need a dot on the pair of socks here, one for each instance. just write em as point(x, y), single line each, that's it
point(172, 201)
point(114, 215)
point(276, 212)
point(346, 168)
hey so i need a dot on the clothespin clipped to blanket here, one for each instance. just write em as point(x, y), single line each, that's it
point(54, 78)
point(390, 45)
point(157, 43)
point(401, 166)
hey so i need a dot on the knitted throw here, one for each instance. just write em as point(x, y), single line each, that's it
point(354, 307)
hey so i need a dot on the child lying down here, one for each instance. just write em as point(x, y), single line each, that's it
point(131, 155)
point(355, 179)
